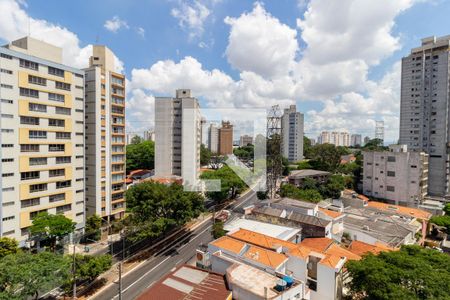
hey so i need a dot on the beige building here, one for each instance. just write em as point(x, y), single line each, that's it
point(245, 140)
point(398, 176)
point(226, 138)
point(105, 136)
point(292, 134)
point(213, 138)
point(42, 137)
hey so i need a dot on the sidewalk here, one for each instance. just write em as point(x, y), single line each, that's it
point(93, 248)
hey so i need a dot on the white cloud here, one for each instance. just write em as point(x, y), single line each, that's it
point(140, 111)
point(191, 16)
point(260, 43)
point(115, 24)
point(140, 31)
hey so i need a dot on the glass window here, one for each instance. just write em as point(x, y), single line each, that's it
point(37, 134)
point(37, 161)
point(29, 175)
point(29, 93)
point(29, 120)
point(56, 122)
point(62, 85)
point(29, 64)
point(56, 97)
point(62, 135)
point(37, 80)
point(37, 107)
point(55, 71)
point(29, 148)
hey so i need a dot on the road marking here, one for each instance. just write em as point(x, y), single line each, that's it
point(157, 266)
point(243, 201)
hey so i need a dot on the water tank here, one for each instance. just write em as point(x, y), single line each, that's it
point(281, 285)
point(289, 281)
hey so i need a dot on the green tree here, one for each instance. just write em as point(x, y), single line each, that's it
point(304, 165)
point(307, 148)
point(24, 274)
point(333, 188)
point(93, 226)
point(217, 230)
point(8, 246)
point(51, 228)
point(245, 152)
point(136, 140)
point(141, 156)
point(156, 207)
point(231, 183)
point(327, 157)
point(443, 221)
point(89, 267)
point(447, 209)
point(262, 195)
point(411, 273)
point(291, 191)
point(205, 155)
point(374, 145)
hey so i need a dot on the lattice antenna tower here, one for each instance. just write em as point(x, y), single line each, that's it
point(274, 158)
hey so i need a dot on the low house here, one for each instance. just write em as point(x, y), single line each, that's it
point(137, 176)
point(346, 159)
point(296, 177)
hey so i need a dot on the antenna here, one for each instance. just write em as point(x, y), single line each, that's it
point(29, 26)
point(97, 39)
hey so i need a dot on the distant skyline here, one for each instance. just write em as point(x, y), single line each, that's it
point(338, 60)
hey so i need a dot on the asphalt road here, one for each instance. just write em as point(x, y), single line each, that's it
point(141, 278)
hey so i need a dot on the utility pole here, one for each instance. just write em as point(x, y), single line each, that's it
point(74, 296)
point(120, 280)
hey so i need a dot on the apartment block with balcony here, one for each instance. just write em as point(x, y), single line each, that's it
point(292, 134)
point(398, 176)
point(42, 137)
point(105, 136)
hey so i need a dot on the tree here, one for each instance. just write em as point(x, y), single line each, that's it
point(93, 226)
point(141, 156)
point(24, 274)
point(51, 228)
point(443, 221)
point(374, 145)
point(411, 273)
point(333, 188)
point(307, 148)
point(205, 155)
point(217, 230)
point(231, 183)
point(245, 152)
point(447, 209)
point(157, 207)
point(304, 165)
point(262, 195)
point(8, 246)
point(327, 157)
point(291, 191)
point(136, 140)
point(88, 267)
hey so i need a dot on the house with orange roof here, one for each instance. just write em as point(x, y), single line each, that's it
point(361, 248)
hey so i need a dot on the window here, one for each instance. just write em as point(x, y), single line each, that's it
point(37, 107)
point(391, 159)
point(6, 71)
point(55, 71)
point(38, 161)
point(56, 97)
point(29, 64)
point(7, 101)
point(6, 130)
point(10, 203)
point(8, 218)
point(56, 122)
point(29, 148)
point(29, 120)
point(57, 197)
point(7, 174)
point(62, 110)
point(37, 134)
point(7, 145)
point(34, 214)
point(8, 189)
point(390, 188)
point(29, 175)
point(6, 56)
point(30, 202)
point(29, 93)
point(63, 184)
point(79, 87)
point(62, 85)
point(56, 173)
point(391, 173)
point(63, 208)
point(56, 147)
point(38, 187)
point(62, 135)
point(63, 160)
point(37, 80)
point(7, 116)
point(413, 166)
point(6, 86)
point(79, 110)
point(116, 80)
point(7, 159)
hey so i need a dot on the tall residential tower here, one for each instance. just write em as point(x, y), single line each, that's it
point(292, 131)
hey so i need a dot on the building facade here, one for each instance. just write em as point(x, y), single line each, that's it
point(178, 136)
point(424, 109)
point(42, 137)
point(245, 140)
point(226, 138)
point(292, 134)
point(356, 140)
point(398, 176)
point(149, 135)
point(105, 136)
point(213, 138)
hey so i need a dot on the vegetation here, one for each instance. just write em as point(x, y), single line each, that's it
point(327, 157)
point(444, 220)
point(307, 148)
point(157, 207)
point(217, 230)
point(89, 267)
point(262, 195)
point(205, 155)
point(245, 152)
point(8, 246)
point(93, 227)
point(140, 154)
point(304, 165)
point(374, 145)
point(231, 184)
point(24, 274)
point(49, 228)
point(309, 195)
point(411, 273)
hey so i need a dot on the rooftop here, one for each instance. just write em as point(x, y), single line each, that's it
point(296, 203)
point(361, 248)
point(307, 173)
point(188, 282)
point(275, 231)
point(402, 210)
point(265, 257)
point(260, 239)
point(331, 213)
point(328, 247)
point(229, 244)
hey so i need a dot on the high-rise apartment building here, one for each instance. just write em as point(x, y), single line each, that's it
point(105, 136)
point(356, 140)
point(245, 140)
point(397, 176)
point(149, 135)
point(425, 109)
point(292, 134)
point(340, 138)
point(178, 136)
point(324, 138)
point(42, 137)
point(226, 138)
point(213, 138)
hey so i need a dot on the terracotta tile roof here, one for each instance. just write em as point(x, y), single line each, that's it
point(331, 261)
point(139, 172)
point(266, 257)
point(301, 252)
point(261, 240)
point(229, 244)
point(330, 213)
point(360, 248)
point(317, 244)
point(402, 210)
point(339, 251)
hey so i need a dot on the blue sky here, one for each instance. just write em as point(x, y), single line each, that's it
point(337, 60)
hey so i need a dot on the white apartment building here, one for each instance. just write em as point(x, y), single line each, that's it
point(340, 138)
point(42, 137)
point(292, 134)
point(149, 135)
point(105, 136)
point(213, 138)
point(245, 140)
point(398, 176)
point(425, 110)
point(356, 139)
point(324, 138)
point(178, 137)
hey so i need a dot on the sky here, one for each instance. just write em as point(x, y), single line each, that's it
point(338, 61)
